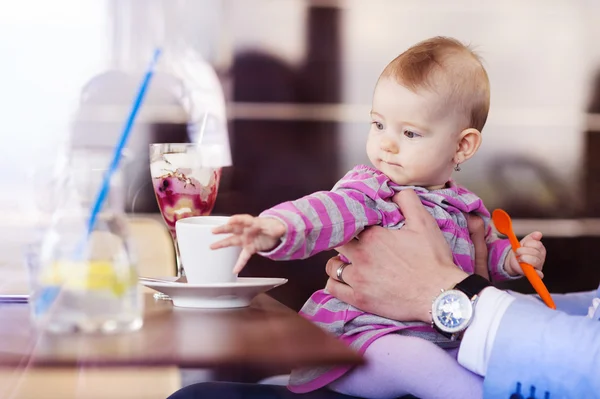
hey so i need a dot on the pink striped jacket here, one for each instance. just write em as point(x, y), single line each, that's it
point(362, 198)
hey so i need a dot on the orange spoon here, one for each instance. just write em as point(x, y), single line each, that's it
point(504, 225)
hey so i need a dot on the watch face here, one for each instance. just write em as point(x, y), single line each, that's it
point(452, 311)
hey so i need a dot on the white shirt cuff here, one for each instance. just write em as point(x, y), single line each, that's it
point(478, 340)
point(594, 310)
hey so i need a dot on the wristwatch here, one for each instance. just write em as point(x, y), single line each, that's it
point(452, 310)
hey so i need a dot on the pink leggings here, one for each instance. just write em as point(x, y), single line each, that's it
point(399, 365)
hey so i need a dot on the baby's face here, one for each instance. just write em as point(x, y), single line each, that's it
point(412, 139)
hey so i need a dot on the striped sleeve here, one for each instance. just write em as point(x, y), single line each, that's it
point(498, 250)
point(328, 219)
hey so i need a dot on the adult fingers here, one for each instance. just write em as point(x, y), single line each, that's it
point(475, 225)
point(349, 249)
point(477, 233)
point(414, 212)
point(332, 267)
point(341, 291)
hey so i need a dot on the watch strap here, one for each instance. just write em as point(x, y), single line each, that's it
point(473, 285)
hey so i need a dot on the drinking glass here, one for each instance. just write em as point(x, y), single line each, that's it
point(185, 185)
point(82, 280)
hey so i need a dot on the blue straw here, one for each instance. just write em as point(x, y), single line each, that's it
point(103, 192)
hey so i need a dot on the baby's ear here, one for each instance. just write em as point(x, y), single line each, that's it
point(468, 143)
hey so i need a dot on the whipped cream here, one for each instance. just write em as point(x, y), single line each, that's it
point(191, 163)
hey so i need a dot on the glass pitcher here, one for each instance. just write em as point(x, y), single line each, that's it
point(86, 280)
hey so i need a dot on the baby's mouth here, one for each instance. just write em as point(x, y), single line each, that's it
point(391, 163)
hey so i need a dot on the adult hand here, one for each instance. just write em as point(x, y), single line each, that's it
point(396, 273)
point(477, 234)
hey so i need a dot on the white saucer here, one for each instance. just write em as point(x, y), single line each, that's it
point(237, 294)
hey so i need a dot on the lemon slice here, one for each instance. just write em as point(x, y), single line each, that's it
point(94, 275)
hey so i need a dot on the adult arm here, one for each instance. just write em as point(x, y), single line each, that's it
point(547, 350)
point(396, 274)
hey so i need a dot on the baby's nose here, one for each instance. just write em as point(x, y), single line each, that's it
point(389, 146)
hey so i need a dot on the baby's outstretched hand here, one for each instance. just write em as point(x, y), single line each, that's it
point(532, 251)
point(253, 234)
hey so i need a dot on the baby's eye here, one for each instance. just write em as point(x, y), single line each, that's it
point(378, 125)
point(409, 134)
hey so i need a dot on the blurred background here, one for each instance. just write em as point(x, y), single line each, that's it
point(289, 83)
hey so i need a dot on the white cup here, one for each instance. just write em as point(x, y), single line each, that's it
point(203, 265)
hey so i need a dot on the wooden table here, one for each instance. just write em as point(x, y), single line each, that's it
point(266, 335)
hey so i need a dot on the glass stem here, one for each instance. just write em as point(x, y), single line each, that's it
point(180, 271)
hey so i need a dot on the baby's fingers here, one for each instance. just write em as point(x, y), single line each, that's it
point(539, 273)
point(250, 234)
point(231, 241)
point(533, 244)
point(224, 229)
point(242, 260)
point(535, 236)
point(535, 248)
point(531, 256)
point(235, 225)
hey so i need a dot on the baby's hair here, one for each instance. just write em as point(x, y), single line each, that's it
point(450, 68)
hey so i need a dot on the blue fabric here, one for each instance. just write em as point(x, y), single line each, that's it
point(574, 303)
point(542, 353)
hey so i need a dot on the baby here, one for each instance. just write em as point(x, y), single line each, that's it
point(429, 107)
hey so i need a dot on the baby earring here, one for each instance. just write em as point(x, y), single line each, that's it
point(457, 167)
